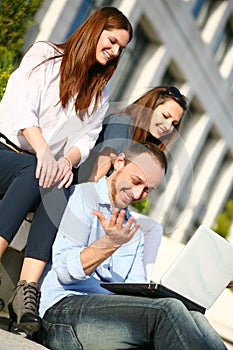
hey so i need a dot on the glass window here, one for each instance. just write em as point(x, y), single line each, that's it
point(128, 64)
point(172, 76)
point(85, 9)
point(203, 9)
point(224, 42)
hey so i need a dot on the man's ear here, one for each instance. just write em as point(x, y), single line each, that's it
point(119, 162)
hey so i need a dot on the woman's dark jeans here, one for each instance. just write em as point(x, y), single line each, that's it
point(23, 194)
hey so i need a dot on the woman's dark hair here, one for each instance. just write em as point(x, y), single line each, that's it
point(141, 112)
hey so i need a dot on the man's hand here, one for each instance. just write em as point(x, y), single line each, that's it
point(116, 231)
point(230, 285)
point(116, 234)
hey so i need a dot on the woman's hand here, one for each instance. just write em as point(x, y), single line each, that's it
point(65, 164)
point(103, 164)
point(46, 168)
point(65, 174)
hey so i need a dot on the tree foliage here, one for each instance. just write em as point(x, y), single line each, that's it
point(224, 220)
point(143, 206)
point(15, 18)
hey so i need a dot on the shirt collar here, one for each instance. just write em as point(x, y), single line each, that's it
point(102, 188)
point(104, 198)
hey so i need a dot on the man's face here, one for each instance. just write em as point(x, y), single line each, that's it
point(134, 181)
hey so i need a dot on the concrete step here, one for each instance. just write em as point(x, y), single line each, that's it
point(12, 341)
point(15, 339)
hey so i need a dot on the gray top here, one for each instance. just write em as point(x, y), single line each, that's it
point(117, 133)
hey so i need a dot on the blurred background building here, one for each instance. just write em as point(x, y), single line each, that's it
point(189, 44)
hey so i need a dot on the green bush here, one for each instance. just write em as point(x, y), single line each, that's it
point(6, 67)
point(224, 220)
point(15, 18)
point(143, 206)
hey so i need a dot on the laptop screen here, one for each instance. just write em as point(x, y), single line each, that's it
point(203, 269)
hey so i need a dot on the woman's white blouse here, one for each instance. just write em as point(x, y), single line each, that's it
point(32, 99)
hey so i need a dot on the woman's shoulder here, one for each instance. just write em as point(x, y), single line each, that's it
point(45, 48)
point(118, 118)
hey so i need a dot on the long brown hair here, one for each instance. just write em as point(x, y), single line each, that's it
point(79, 72)
point(142, 109)
point(80, 75)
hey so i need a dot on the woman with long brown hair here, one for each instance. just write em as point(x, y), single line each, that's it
point(155, 116)
point(50, 117)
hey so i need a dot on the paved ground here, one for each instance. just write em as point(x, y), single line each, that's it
point(15, 339)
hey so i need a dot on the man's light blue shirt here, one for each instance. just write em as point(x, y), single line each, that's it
point(78, 229)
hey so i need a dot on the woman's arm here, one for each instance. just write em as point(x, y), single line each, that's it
point(47, 167)
point(103, 164)
point(48, 170)
point(65, 175)
point(114, 138)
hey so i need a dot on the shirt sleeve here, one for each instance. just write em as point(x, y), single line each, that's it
point(71, 239)
point(137, 271)
point(26, 85)
point(153, 232)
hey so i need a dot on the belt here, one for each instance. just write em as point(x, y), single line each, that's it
point(8, 143)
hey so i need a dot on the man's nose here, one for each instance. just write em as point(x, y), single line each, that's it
point(138, 192)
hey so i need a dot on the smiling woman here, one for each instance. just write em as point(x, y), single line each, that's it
point(165, 118)
point(155, 116)
point(50, 117)
point(111, 44)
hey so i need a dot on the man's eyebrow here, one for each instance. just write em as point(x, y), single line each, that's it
point(137, 178)
point(151, 188)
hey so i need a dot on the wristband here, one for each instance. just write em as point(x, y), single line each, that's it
point(68, 161)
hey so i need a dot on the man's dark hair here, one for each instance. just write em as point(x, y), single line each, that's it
point(146, 147)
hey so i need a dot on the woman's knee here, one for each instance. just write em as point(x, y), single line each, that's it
point(27, 164)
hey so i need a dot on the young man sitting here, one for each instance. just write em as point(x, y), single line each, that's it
point(99, 241)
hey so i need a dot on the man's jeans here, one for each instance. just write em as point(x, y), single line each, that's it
point(114, 322)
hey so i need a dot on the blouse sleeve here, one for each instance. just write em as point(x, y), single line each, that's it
point(26, 84)
point(90, 130)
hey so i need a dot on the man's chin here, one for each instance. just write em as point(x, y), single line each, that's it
point(121, 206)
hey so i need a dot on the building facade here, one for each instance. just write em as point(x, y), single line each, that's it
point(188, 44)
